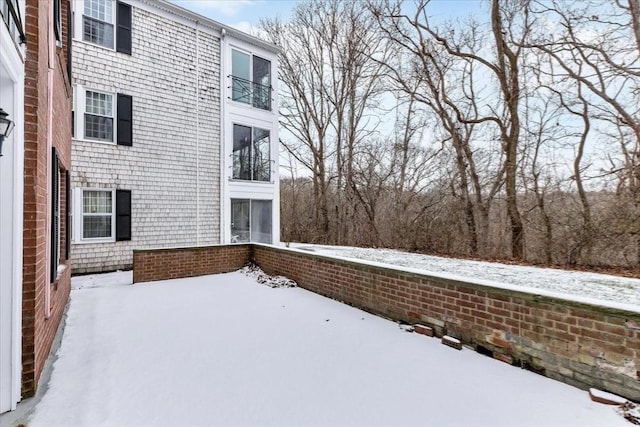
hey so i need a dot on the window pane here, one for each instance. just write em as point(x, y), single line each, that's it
point(241, 152)
point(241, 83)
point(96, 202)
point(99, 9)
point(97, 32)
point(99, 103)
point(261, 83)
point(96, 226)
point(261, 221)
point(261, 161)
point(239, 220)
point(98, 127)
point(261, 71)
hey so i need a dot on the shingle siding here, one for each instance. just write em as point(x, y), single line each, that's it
point(173, 166)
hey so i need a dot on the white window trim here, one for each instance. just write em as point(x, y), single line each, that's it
point(78, 215)
point(79, 108)
point(78, 24)
point(250, 199)
point(271, 81)
point(269, 151)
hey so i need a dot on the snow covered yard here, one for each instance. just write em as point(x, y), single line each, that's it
point(225, 350)
point(594, 286)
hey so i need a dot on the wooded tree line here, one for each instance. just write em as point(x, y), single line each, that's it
point(510, 133)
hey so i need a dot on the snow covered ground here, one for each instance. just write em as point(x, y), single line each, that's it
point(225, 350)
point(595, 286)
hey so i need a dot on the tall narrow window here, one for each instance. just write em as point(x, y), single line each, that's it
point(251, 221)
point(67, 215)
point(57, 21)
point(55, 216)
point(98, 118)
point(261, 83)
point(240, 220)
point(261, 163)
point(251, 154)
point(261, 224)
point(97, 22)
point(241, 152)
point(241, 80)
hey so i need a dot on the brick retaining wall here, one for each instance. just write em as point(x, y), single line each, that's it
point(175, 263)
point(580, 344)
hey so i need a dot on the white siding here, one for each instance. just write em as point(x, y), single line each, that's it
point(244, 114)
point(177, 169)
point(173, 167)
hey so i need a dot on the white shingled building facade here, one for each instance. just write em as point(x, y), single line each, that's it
point(175, 133)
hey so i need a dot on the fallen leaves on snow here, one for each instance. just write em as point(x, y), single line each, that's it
point(263, 278)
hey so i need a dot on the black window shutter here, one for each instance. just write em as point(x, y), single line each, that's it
point(55, 203)
point(67, 214)
point(123, 215)
point(123, 28)
point(125, 131)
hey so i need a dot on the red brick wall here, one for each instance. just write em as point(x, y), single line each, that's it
point(583, 345)
point(580, 344)
point(162, 264)
point(38, 330)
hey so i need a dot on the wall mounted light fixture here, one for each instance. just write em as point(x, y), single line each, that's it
point(6, 126)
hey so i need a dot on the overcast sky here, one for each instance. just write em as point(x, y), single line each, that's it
point(241, 14)
point(244, 14)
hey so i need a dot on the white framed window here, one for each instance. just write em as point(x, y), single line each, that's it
point(105, 23)
point(251, 221)
point(250, 79)
point(97, 215)
point(98, 116)
point(98, 20)
point(251, 153)
point(102, 116)
point(101, 215)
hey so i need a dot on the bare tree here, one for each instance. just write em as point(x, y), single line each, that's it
point(330, 82)
point(597, 45)
point(304, 115)
point(509, 27)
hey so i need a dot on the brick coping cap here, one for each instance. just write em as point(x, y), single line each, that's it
point(541, 295)
point(191, 247)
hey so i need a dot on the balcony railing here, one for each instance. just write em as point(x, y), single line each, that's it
point(256, 94)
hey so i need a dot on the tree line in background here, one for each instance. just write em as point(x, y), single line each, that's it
point(512, 133)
